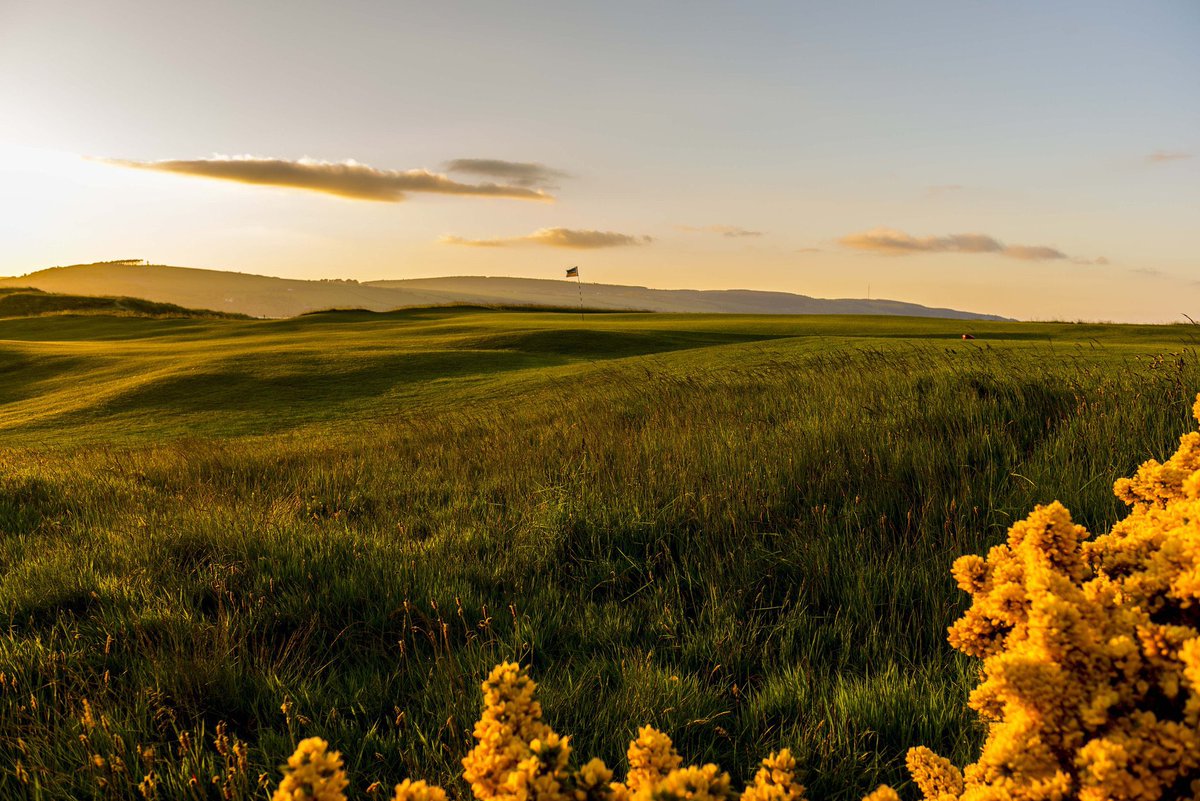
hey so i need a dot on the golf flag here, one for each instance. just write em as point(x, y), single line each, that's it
point(572, 272)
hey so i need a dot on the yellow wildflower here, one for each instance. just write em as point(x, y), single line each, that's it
point(593, 781)
point(505, 765)
point(882, 793)
point(703, 783)
point(651, 757)
point(409, 790)
point(313, 773)
point(937, 778)
point(776, 780)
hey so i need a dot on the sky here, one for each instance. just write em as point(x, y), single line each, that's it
point(1036, 160)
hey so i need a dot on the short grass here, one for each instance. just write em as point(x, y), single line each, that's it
point(738, 529)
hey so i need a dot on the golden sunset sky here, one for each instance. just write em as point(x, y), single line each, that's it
point(1036, 160)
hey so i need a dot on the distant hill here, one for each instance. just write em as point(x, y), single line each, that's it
point(542, 292)
point(265, 296)
point(31, 302)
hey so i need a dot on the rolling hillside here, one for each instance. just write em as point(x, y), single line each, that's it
point(265, 296)
point(29, 302)
point(162, 377)
point(736, 528)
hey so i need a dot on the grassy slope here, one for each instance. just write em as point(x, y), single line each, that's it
point(28, 302)
point(737, 528)
point(150, 378)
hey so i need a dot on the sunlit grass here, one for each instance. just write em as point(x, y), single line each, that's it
point(738, 530)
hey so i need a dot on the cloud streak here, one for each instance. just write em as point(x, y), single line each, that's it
point(1159, 156)
point(727, 231)
point(517, 173)
point(557, 238)
point(890, 242)
point(346, 179)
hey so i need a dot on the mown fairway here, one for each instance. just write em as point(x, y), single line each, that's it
point(737, 529)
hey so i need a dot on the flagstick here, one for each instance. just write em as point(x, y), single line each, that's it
point(579, 283)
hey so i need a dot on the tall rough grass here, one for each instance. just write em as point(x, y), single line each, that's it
point(1090, 690)
point(750, 554)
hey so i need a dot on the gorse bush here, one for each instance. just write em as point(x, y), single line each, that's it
point(519, 757)
point(1091, 651)
point(1090, 686)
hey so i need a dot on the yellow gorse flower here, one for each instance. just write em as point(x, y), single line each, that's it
point(1091, 652)
point(702, 783)
point(517, 757)
point(409, 790)
point(313, 773)
point(651, 757)
point(883, 793)
point(776, 780)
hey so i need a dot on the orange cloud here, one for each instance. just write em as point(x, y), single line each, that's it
point(556, 238)
point(347, 179)
point(1159, 156)
point(891, 242)
point(1032, 252)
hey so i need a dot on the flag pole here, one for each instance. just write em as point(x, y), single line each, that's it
point(579, 284)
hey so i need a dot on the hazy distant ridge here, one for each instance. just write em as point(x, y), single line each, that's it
point(266, 296)
point(616, 296)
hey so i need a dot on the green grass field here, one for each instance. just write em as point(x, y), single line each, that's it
point(738, 529)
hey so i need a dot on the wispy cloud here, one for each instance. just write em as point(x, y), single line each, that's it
point(556, 238)
point(889, 241)
point(727, 231)
point(1159, 156)
point(347, 179)
point(1032, 252)
point(809, 250)
point(518, 173)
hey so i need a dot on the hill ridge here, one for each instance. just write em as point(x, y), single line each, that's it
point(270, 296)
